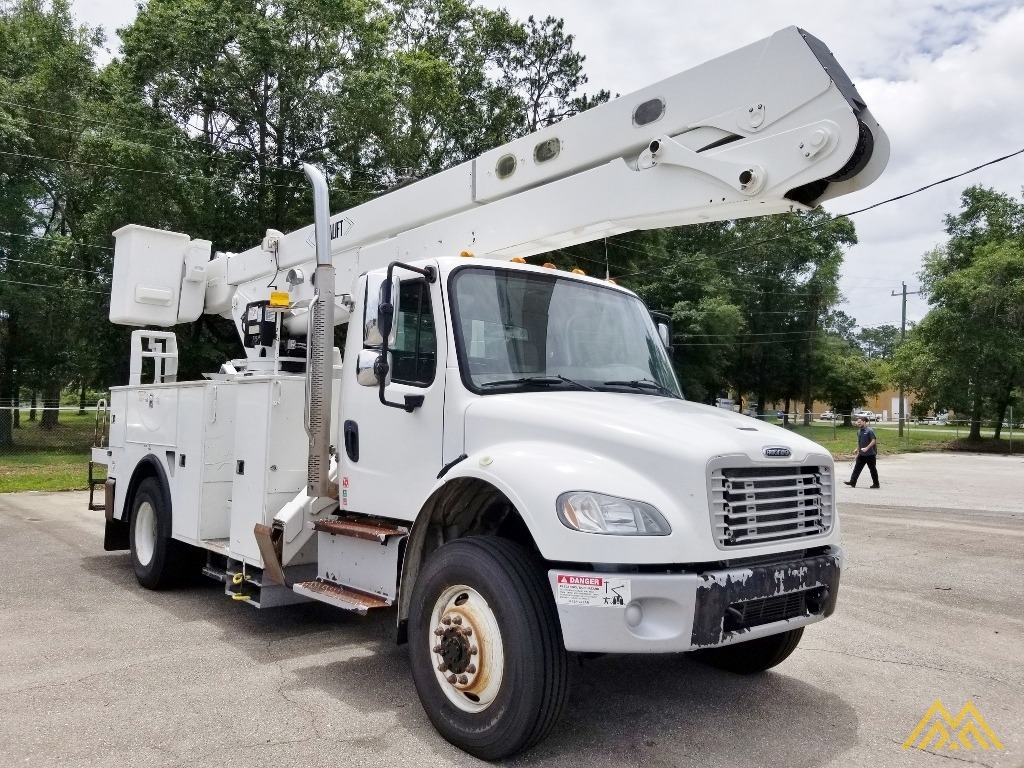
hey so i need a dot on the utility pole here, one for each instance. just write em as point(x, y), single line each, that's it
point(903, 335)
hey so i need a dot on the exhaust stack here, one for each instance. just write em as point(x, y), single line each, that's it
point(321, 342)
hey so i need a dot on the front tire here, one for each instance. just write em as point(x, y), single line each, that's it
point(486, 648)
point(752, 656)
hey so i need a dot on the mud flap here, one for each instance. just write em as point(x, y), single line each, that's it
point(115, 535)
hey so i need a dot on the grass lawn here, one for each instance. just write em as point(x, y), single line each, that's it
point(842, 441)
point(44, 471)
point(48, 459)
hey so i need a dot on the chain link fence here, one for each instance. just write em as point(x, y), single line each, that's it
point(64, 430)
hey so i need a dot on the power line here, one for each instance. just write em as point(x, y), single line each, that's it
point(54, 266)
point(802, 332)
point(205, 144)
point(185, 152)
point(811, 227)
point(103, 166)
point(55, 287)
point(58, 239)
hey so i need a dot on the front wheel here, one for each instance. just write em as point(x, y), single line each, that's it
point(752, 656)
point(485, 647)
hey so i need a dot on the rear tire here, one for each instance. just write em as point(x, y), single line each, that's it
point(486, 647)
point(752, 656)
point(158, 560)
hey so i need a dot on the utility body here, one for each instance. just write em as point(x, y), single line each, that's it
point(502, 452)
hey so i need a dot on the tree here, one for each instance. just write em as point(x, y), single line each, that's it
point(968, 352)
point(785, 272)
point(844, 377)
point(47, 63)
point(880, 342)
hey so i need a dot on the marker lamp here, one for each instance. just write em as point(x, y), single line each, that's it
point(598, 513)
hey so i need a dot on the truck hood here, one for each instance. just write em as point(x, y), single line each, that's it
point(625, 423)
point(662, 451)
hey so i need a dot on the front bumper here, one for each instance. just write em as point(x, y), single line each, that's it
point(671, 612)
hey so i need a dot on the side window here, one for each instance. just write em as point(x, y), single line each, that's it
point(414, 355)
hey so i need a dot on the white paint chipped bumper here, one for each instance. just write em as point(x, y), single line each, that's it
point(672, 612)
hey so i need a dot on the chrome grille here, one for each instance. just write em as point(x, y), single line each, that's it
point(761, 505)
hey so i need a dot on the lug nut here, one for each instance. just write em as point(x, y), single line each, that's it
point(471, 669)
point(438, 631)
point(473, 650)
point(452, 679)
point(442, 667)
point(463, 679)
point(437, 649)
point(446, 620)
point(467, 631)
point(456, 620)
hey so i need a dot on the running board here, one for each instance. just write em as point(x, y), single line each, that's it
point(358, 560)
point(340, 597)
point(360, 529)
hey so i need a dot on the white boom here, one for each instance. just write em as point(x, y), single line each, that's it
point(772, 127)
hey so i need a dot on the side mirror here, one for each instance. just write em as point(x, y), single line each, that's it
point(380, 310)
point(368, 368)
point(663, 332)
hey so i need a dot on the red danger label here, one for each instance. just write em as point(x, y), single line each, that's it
point(588, 581)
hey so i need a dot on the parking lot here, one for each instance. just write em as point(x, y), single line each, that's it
point(96, 671)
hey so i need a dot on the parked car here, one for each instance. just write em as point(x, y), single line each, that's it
point(869, 415)
point(827, 416)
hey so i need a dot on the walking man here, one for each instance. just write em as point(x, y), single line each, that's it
point(866, 451)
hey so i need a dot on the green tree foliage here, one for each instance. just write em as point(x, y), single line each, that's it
point(968, 352)
point(844, 377)
point(47, 79)
point(880, 342)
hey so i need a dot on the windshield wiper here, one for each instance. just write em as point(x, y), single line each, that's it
point(642, 384)
point(541, 381)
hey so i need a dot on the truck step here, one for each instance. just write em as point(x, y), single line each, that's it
point(340, 597)
point(360, 529)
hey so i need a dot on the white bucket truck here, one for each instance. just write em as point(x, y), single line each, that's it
point(505, 456)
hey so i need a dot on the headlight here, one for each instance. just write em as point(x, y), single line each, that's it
point(597, 513)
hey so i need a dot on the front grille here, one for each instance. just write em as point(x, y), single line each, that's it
point(761, 505)
point(754, 613)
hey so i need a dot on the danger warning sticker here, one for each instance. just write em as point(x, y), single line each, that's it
point(591, 590)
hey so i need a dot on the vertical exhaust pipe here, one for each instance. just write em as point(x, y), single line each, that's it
point(319, 374)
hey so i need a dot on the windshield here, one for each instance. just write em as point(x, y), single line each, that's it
point(525, 331)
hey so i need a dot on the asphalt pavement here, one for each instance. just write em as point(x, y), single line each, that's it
point(96, 671)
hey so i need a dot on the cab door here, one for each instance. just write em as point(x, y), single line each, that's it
point(390, 458)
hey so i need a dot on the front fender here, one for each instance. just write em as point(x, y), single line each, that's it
point(533, 474)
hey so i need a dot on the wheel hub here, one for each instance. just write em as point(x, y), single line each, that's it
point(457, 650)
point(468, 653)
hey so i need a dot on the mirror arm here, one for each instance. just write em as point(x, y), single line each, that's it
point(387, 315)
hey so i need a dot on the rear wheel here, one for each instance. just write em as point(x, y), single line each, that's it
point(752, 656)
point(485, 647)
point(158, 560)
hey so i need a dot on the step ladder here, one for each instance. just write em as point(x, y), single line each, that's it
point(357, 564)
point(100, 442)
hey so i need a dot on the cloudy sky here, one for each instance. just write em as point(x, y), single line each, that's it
point(945, 78)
